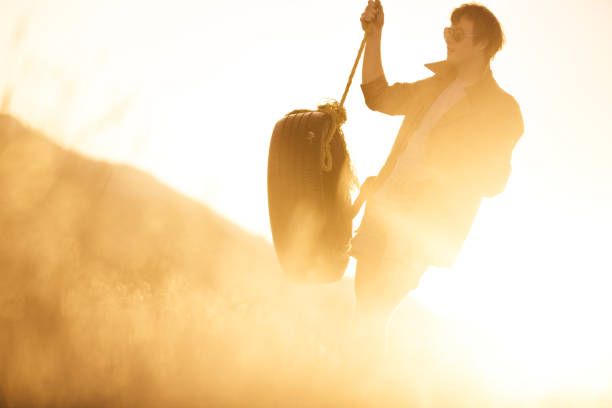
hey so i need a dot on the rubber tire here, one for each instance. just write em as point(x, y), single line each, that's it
point(310, 210)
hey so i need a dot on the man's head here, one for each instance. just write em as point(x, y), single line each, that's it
point(474, 33)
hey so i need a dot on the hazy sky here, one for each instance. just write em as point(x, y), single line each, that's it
point(190, 91)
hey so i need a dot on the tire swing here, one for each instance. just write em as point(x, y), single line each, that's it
point(309, 182)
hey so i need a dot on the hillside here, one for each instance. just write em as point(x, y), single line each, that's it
point(115, 289)
point(65, 217)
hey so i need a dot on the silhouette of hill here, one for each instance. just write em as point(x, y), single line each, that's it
point(112, 216)
point(110, 278)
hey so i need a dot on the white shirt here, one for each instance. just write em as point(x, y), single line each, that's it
point(408, 169)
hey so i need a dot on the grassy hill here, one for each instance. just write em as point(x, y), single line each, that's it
point(116, 290)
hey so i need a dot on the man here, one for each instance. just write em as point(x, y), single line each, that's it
point(454, 148)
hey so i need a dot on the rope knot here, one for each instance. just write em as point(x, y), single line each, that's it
point(334, 109)
point(337, 114)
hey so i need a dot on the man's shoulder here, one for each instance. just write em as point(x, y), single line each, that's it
point(503, 108)
point(504, 97)
point(500, 100)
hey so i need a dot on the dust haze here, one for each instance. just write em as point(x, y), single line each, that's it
point(118, 291)
point(118, 288)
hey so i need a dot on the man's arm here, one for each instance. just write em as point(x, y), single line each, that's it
point(489, 170)
point(496, 159)
point(481, 165)
point(372, 21)
point(379, 96)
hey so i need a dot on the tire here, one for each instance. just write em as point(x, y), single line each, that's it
point(310, 209)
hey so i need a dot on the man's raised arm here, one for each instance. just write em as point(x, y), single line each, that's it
point(379, 96)
point(374, 18)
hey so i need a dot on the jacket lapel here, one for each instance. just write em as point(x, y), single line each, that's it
point(444, 75)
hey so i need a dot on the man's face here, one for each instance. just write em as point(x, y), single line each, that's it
point(460, 46)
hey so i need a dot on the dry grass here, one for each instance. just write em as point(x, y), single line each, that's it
point(117, 291)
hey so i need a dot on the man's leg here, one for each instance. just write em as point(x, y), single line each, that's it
point(372, 288)
point(379, 288)
point(372, 310)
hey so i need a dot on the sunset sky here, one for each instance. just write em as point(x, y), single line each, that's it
point(190, 92)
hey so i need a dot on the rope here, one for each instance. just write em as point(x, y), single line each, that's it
point(336, 111)
point(337, 114)
point(350, 80)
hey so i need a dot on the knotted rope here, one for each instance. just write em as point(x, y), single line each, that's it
point(336, 111)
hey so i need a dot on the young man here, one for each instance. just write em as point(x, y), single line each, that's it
point(454, 148)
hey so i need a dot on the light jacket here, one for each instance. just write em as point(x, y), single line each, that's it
point(469, 150)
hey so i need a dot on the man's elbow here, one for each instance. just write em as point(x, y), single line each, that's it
point(372, 103)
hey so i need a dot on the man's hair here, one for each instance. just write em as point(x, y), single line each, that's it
point(486, 26)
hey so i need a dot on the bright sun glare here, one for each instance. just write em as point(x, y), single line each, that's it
point(193, 101)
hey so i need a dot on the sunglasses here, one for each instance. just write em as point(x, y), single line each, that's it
point(456, 34)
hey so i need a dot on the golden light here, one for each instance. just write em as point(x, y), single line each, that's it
point(190, 93)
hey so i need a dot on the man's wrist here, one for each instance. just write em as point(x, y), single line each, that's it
point(374, 32)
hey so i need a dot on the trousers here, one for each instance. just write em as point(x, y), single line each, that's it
point(383, 277)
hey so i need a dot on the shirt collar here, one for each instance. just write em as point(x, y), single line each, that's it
point(441, 68)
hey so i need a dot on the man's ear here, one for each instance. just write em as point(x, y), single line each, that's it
point(481, 44)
